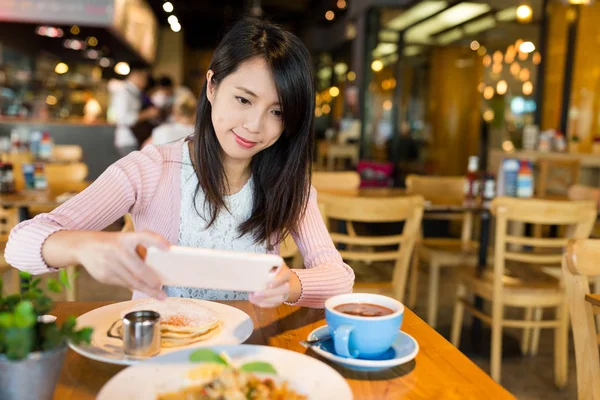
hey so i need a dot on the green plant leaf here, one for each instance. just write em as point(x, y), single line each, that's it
point(207, 356)
point(82, 336)
point(258, 366)
point(63, 277)
point(19, 342)
point(6, 319)
point(68, 326)
point(54, 285)
point(24, 315)
point(24, 275)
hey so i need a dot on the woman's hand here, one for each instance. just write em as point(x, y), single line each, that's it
point(285, 286)
point(113, 258)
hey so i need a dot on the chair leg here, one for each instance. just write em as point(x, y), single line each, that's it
point(71, 293)
point(414, 280)
point(526, 332)
point(434, 286)
point(496, 356)
point(535, 340)
point(457, 318)
point(561, 347)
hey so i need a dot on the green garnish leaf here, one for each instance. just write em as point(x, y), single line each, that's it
point(258, 366)
point(207, 356)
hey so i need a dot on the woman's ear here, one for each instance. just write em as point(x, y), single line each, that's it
point(211, 86)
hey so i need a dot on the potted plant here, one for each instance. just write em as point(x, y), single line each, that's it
point(32, 349)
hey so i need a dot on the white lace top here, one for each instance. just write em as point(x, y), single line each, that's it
point(221, 235)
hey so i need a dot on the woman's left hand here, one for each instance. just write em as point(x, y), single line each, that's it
point(283, 287)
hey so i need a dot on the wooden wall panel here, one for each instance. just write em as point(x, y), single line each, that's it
point(585, 93)
point(555, 66)
point(454, 108)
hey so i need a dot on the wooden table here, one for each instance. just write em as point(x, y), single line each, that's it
point(46, 199)
point(439, 371)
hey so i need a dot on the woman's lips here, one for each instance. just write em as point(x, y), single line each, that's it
point(243, 142)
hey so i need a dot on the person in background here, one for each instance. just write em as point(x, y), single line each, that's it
point(92, 110)
point(164, 95)
point(126, 105)
point(184, 113)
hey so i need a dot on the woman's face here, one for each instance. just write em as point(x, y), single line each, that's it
point(246, 113)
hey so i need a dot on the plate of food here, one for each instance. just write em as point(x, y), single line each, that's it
point(185, 323)
point(232, 372)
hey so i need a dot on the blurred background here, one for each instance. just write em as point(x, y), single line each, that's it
point(422, 85)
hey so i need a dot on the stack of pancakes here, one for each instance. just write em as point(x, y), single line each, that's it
point(182, 321)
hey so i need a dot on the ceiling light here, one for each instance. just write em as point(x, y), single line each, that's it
point(515, 68)
point(51, 100)
point(506, 15)
point(445, 20)
point(498, 57)
point(326, 108)
point(537, 58)
point(524, 13)
point(526, 47)
point(329, 15)
point(334, 91)
point(351, 76)
point(340, 68)
point(481, 51)
point(172, 19)
point(168, 6)
point(581, 2)
point(501, 87)
point(122, 68)
point(524, 75)
point(61, 68)
point(450, 36)
point(92, 41)
point(387, 105)
point(176, 27)
point(384, 49)
point(377, 65)
point(480, 25)
point(487, 60)
point(496, 68)
point(415, 14)
point(341, 4)
point(488, 92)
point(527, 88)
point(474, 45)
point(75, 30)
point(104, 62)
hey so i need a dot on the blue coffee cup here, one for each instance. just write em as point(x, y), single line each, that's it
point(361, 336)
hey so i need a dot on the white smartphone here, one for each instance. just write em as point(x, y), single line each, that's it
point(213, 269)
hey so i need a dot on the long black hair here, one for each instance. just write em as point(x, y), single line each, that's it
point(281, 173)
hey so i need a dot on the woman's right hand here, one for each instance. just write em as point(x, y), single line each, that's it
point(113, 258)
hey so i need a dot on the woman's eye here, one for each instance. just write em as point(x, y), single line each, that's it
point(242, 100)
point(277, 113)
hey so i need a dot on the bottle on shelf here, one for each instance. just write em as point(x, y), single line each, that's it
point(525, 180)
point(45, 147)
point(489, 188)
point(472, 181)
point(39, 177)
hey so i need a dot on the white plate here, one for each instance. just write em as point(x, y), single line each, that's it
point(167, 373)
point(236, 328)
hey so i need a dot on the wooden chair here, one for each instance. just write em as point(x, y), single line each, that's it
point(10, 275)
point(556, 176)
point(67, 153)
point(440, 252)
point(62, 176)
point(518, 280)
point(407, 209)
point(337, 151)
point(336, 181)
point(579, 264)
point(343, 181)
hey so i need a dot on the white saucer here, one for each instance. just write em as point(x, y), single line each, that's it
point(404, 349)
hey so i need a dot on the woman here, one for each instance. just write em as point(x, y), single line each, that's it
point(242, 183)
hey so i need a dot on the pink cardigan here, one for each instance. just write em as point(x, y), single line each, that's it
point(147, 185)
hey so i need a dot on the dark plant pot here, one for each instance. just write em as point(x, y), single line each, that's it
point(33, 378)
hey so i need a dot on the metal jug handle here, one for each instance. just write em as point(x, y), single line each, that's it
point(109, 332)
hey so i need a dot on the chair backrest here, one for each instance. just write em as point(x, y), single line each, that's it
point(336, 181)
point(8, 220)
point(556, 176)
point(408, 209)
point(61, 177)
point(67, 153)
point(443, 190)
point(581, 262)
point(577, 216)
